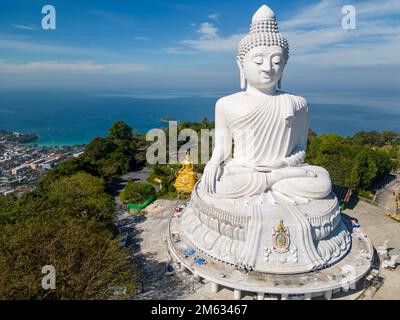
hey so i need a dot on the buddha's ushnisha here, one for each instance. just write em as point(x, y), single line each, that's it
point(267, 127)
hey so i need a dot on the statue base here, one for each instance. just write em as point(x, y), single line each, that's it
point(273, 238)
point(270, 249)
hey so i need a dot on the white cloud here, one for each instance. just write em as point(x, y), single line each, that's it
point(33, 46)
point(24, 44)
point(25, 27)
point(77, 67)
point(315, 35)
point(323, 13)
point(372, 43)
point(177, 50)
point(207, 31)
point(378, 8)
point(361, 55)
point(140, 38)
point(214, 16)
point(216, 44)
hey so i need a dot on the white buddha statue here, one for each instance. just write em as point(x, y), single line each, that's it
point(268, 128)
point(258, 204)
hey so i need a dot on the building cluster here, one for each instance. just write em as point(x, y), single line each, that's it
point(21, 165)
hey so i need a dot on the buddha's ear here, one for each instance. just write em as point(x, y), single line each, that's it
point(242, 78)
point(280, 82)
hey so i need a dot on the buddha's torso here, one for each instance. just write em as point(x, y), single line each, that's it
point(265, 128)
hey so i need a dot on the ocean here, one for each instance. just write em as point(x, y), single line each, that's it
point(68, 118)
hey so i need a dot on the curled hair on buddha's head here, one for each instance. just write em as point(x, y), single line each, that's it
point(263, 32)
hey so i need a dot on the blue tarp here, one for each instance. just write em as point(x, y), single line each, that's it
point(189, 251)
point(200, 261)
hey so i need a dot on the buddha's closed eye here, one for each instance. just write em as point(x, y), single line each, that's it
point(258, 60)
point(276, 60)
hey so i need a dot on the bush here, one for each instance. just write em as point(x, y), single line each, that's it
point(365, 194)
point(135, 192)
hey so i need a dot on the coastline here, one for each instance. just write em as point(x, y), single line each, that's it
point(76, 119)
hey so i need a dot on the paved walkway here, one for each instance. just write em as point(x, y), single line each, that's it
point(380, 228)
point(386, 197)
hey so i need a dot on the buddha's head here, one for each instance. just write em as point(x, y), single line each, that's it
point(263, 53)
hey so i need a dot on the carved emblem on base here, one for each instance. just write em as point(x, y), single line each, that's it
point(281, 238)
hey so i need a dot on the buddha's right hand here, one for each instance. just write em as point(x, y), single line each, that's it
point(286, 173)
point(212, 173)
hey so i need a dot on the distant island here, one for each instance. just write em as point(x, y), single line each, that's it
point(167, 119)
point(17, 137)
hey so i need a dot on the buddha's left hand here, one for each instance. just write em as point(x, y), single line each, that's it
point(279, 164)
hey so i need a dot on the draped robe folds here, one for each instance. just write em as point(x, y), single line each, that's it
point(275, 128)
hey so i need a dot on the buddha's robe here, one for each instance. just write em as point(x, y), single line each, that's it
point(274, 128)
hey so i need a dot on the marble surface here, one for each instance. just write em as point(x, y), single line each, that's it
point(340, 276)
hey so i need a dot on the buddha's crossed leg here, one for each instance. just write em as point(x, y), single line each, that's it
point(305, 182)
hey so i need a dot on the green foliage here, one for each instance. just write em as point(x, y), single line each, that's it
point(136, 192)
point(80, 196)
point(66, 223)
point(351, 161)
point(83, 196)
point(390, 137)
point(167, 174)
point(376, 139)
point(120, 131)
point(87, 259)
point(98, 149)
point(365, 194)
point(68, 168)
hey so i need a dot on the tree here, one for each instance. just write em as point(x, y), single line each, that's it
point(87, 259)
point(135, 192)
point(82, 196)
point(390, 137)
point(351, 162)
point(120, 131)
point(99, 148)
point(68, 168)
point(370, 138)
point(367, 169)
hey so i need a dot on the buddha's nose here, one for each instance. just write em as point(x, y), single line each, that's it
point(266, 66)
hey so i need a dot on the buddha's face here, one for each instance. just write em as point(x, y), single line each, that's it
point(263, 66)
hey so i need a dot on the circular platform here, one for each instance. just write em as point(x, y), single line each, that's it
point(326, 282)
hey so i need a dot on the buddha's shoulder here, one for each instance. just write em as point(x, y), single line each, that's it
point(296, 101)
point(232, 98)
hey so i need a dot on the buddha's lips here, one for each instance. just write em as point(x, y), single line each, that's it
point(266, 75)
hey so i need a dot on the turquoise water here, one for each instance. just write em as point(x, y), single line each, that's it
point(67, 118)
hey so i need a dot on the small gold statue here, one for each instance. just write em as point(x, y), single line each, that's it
point(186, 177)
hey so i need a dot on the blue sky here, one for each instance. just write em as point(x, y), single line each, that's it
point(127, 46)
